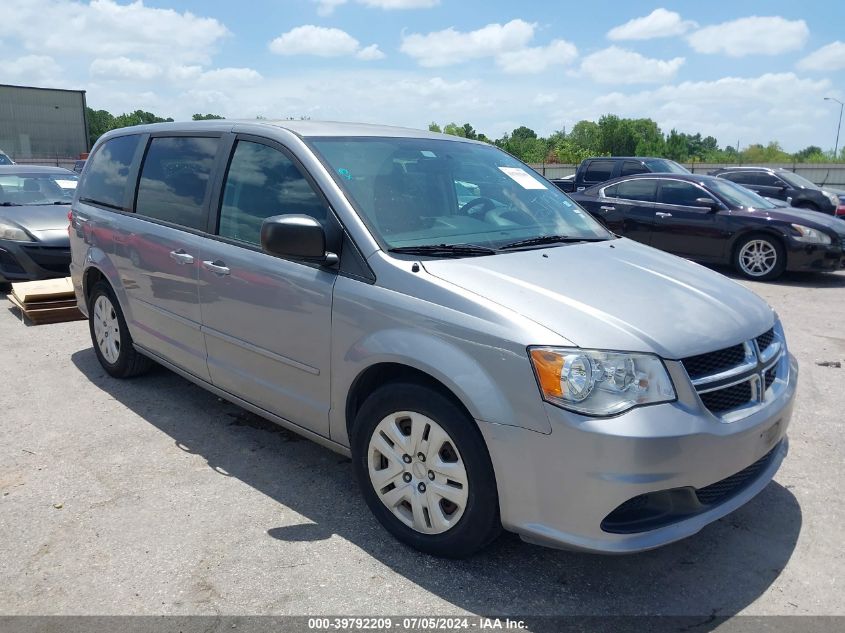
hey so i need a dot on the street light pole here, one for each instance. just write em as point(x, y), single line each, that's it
point(841, 105)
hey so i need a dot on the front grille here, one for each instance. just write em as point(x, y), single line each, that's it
point(53, 258)
point(770, 376)
point(728, 398)
point(729, 486)
point(714, 362)
point(765, 339)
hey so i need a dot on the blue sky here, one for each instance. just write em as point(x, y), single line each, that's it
point(747, 71)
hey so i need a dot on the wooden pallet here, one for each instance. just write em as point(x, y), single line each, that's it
point(48, 301)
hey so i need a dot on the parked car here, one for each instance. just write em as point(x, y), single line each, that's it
point(784, 185)
point(492, 361)
point(593, 171)
point(5, 160)
point(34, 206)
point(712, 220)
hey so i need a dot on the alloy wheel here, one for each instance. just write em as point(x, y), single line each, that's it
point(758, 258)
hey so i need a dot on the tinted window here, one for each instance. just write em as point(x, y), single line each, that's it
point(742, 177)
point(680, 193)
point(643, 189)
point(599, 171)
point(106, 183)
point(263, 182)
point(630, 167)
point(175, 179)
point(766, 180)
point(663, 165)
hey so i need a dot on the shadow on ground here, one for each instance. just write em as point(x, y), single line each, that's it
point(718, 572)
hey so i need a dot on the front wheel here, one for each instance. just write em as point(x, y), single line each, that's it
point(425, 471)
point(760, 257)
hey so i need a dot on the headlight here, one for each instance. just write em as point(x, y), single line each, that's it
point(810, 236)
point(600, 383)
point(834, 199)
point(9, 231)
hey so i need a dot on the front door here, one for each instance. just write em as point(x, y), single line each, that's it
point(685, 228)
point(266, 320)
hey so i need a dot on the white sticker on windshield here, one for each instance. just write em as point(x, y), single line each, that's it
point(428, 153)
point(525, 180)
point(66, 184)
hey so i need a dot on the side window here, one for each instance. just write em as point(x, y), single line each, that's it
point(630, 167)
point(610, 192)
point(598, 171)
point(739, 177)
point(175, 180)
point(680, 193)
point(767, 180)
point(641, 189)
point(105, 182)
point(263, 182)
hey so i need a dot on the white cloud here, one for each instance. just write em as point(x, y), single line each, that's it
point(828, 58)
point(658, 23)
point(448, 47)
point(616, 65)
point(105, 29)
point(229, 76)
point(124, 68)
point(537, 59)
point(327, 7)
point(753, 35)
point(322, 41)
point(29, 69)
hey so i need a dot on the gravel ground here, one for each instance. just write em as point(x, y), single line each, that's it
point(152, 496)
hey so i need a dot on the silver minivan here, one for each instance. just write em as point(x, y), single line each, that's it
point(488, 354)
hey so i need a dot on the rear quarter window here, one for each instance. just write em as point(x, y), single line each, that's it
point(106, 181)
point(598, 171)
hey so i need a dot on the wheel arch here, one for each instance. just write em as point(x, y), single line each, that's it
point(767, 231)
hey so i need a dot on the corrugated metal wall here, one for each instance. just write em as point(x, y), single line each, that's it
point(830, 174)
point(41, 123)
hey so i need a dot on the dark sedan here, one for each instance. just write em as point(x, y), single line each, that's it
point(34, 205)
point(712, 220)
point(783, 185)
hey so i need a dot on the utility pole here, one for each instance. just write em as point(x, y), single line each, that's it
point(838, 126)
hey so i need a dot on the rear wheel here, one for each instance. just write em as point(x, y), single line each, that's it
point(760, 257)
point(425, 471)
point(110, 336)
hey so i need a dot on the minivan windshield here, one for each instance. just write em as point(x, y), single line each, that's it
point(738, 196)
point(665, 166)
point(419, 192)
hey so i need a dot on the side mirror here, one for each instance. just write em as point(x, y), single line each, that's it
point(710, 203)
point(297, 237)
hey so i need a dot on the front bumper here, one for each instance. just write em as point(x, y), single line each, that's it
point(557, 489)
point(26, 261)
point(815, 257)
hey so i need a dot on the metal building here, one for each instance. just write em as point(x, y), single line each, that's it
point(42, 123)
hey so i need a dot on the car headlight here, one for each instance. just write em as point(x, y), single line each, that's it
point(834, 199)
point(600, 383)
point(9, 231)
point(810, 236)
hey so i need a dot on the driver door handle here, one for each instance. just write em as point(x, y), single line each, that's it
point(661, 214)
point(181, 257)
point(607, 208)
point(217, 267)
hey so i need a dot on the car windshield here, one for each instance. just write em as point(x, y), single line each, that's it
point(739, 196)
point(37, 188)
point(662, 165)
point(5, 160)
point(797, 181)
point(415, 192)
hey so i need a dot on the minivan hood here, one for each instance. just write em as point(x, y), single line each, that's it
point(617, 295)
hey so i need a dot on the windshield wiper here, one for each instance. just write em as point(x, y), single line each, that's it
point(444, 250)
point(550, 239)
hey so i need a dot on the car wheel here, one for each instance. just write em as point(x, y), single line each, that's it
point(425, 471)
point(760, 257)
point(110, 336)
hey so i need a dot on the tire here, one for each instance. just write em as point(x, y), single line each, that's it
point(110, 336)
point(411, 504)
point(760, 257)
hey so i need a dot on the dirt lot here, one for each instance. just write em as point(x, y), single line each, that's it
point(152, 496)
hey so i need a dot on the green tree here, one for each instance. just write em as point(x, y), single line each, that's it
point(434, 127)
point(454, 129)
point(676, 146)
point(99, 122)
point(206, 117)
